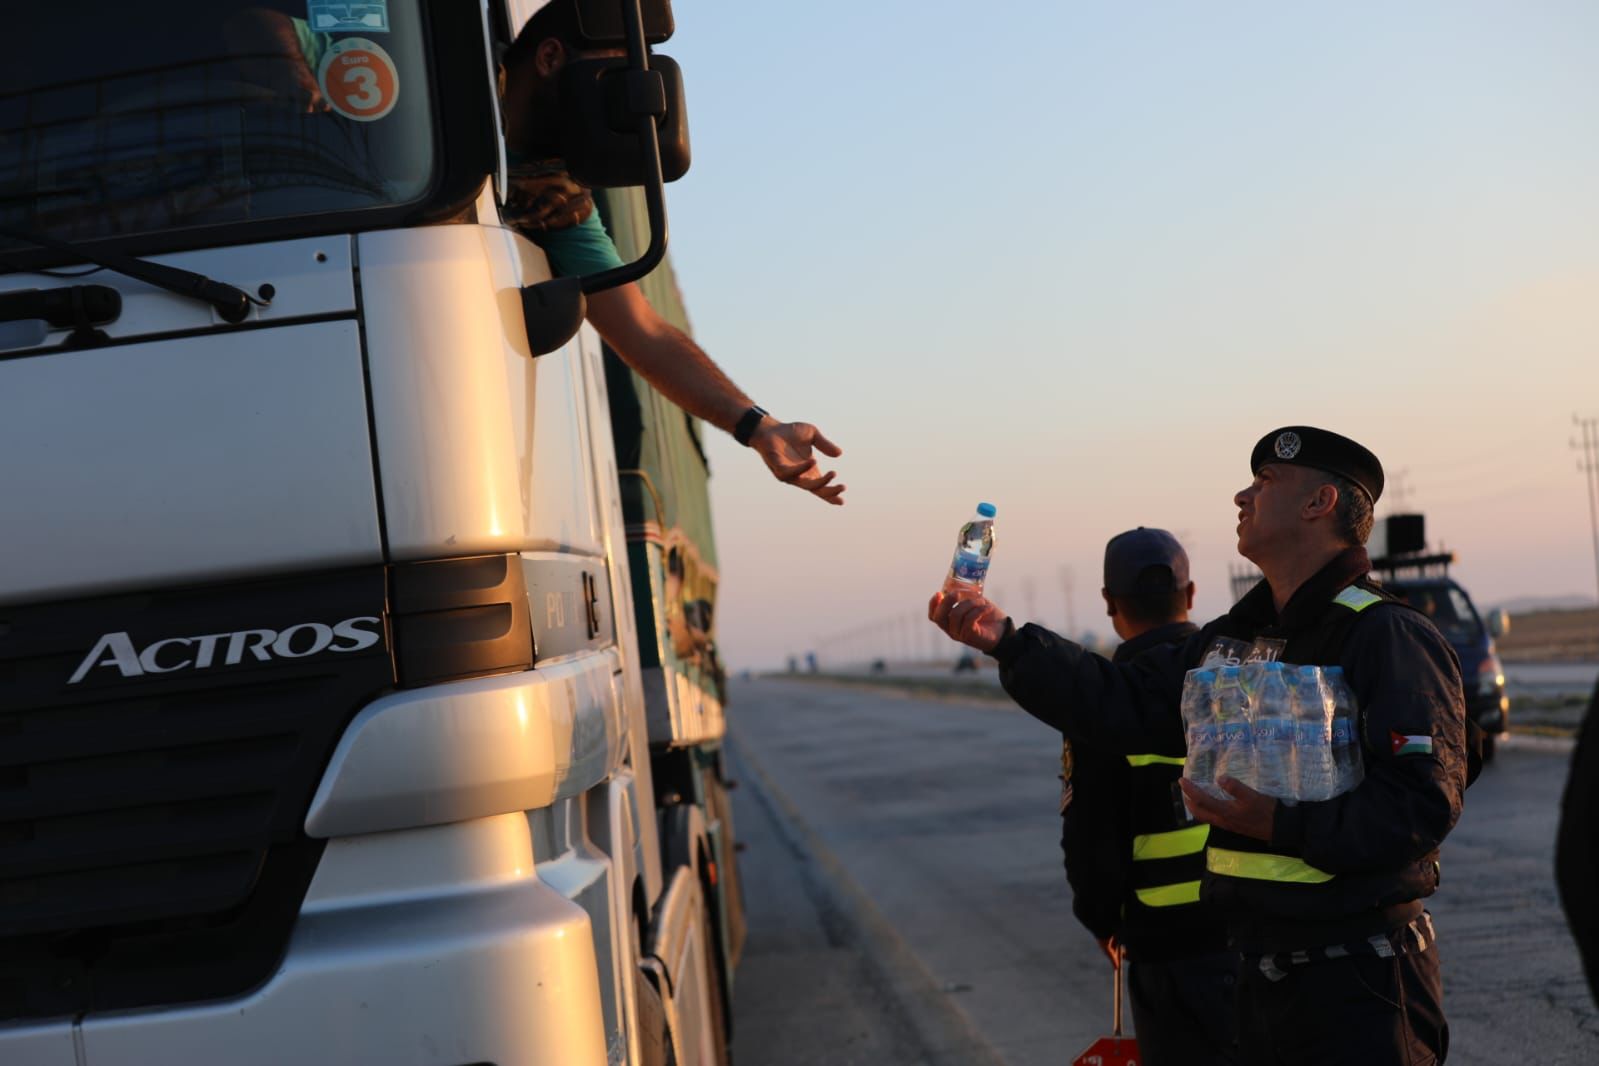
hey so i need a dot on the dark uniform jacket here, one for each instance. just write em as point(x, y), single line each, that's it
point(1335, 870)
point(1134, 867)
point(1577, 845)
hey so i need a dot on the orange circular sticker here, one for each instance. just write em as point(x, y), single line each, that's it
point(358, 79)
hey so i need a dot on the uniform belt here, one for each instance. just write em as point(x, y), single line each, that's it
point(1412, 938)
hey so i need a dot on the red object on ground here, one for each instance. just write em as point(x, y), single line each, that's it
point(1116, 1049)
point(1110, 1051)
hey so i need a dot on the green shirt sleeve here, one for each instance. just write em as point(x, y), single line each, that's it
point(312, 45)
point(581, 249)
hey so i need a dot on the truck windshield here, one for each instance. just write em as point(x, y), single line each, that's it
point(121, 118)
point(1448, 608)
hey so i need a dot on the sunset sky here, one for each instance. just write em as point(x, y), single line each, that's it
point(1076, 258)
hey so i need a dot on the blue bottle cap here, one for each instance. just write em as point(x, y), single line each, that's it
point(987, 510)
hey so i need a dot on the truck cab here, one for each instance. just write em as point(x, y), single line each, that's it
point(1421, 578)
point(342, 715)
point(1449, 606)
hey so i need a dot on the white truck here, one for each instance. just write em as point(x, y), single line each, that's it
point(355, 705)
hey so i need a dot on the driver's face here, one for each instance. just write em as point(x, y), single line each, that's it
point(537, 84)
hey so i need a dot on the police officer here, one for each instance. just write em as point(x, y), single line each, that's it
point(1577, 845)
point(1322, 899)
point(1134, 865)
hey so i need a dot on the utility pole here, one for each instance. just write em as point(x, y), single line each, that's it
point(1589, 465)
point(1071, 613)
point(1399, 488)
point(1030, 598)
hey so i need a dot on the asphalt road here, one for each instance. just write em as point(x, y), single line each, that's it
point(906, 901)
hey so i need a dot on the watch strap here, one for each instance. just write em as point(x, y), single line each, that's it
point(747, 425)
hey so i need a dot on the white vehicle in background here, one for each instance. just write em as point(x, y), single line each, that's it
point(356, 704)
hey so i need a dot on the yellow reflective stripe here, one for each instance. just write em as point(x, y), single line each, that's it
point(1170, 844)
point(1261, 867)
point(1169, 895)
point(1356, 599)
point(1155, 760)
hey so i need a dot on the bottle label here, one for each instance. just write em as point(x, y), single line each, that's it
point(969, 568)
point(1272, 731)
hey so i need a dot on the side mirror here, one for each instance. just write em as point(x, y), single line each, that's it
point(603, 23)
point(1498, 622)
point(622, 123)
point(553, 313)
point(602, 104)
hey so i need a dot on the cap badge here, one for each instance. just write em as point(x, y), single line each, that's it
point(1287, 445)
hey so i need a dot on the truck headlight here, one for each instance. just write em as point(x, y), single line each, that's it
point(1491, 675)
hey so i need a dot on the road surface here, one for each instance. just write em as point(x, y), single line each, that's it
point(907, 903)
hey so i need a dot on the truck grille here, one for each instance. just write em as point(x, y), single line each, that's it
point(151, 826)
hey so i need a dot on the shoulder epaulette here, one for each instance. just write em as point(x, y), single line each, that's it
point(1356, 599)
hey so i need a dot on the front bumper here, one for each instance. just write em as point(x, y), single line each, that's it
point(425, 947)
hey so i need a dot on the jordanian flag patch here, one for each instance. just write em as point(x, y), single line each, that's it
point(1404, 745)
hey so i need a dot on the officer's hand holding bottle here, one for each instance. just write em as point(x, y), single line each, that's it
point(968, 617)
point(959, 608)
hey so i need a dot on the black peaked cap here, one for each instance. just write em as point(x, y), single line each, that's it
point(1322, 450)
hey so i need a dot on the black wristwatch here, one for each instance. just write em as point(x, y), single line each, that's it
point(748, 424)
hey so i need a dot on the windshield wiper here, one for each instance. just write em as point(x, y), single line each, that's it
point(232, 304)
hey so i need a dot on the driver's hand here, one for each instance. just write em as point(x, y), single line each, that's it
point(788, 450)
point(266, 50)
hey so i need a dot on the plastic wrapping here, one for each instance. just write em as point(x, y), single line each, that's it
point(1283, 729)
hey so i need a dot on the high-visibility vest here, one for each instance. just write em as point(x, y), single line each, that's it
point(1168, 859)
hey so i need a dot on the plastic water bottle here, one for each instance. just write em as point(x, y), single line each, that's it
point(1235, 756)
point(1199, 718)
point(1347, 768)
point(1312, 734)
point(1272, 715)
point(972, 549)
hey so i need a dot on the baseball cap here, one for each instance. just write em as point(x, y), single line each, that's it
point(1129, 554)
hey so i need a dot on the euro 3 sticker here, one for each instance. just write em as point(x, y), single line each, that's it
point(358, 79)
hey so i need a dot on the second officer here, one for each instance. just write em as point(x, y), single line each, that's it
point(1134, 860)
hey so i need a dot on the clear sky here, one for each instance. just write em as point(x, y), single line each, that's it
point(1075, 258)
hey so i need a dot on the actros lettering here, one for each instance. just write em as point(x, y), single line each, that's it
point(117, 650)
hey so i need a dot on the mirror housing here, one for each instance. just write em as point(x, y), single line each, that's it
point(603, 101)
point(601, 23)
point(552, 312)
point(1498, 622)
